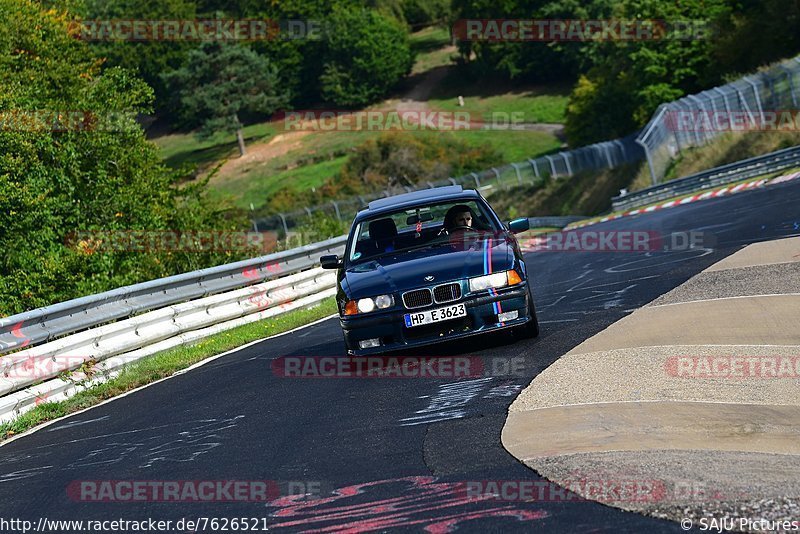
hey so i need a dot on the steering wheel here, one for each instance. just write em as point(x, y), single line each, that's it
point(464, 236)
point(448, 231)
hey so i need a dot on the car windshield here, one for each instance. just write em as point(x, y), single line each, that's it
point(420, 226)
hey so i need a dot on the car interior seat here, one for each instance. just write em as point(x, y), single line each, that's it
point(383, 233)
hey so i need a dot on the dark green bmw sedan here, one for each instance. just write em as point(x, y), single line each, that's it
point(427, 267)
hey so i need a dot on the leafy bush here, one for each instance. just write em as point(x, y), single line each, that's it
point(425, 12)
point(365, 54)
point(392, 161)
point(96, 175)
point(149, 59)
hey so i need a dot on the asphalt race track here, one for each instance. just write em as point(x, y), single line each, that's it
point(384, 454)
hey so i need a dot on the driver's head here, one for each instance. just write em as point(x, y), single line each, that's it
point(459, 215)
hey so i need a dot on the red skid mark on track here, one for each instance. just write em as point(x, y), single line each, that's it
point(421, 496)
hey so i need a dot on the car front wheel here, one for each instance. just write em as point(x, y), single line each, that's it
point(530, 329)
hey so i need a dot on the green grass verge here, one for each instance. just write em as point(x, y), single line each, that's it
point(535, 103)
point(513, 146)
point(164, 364)
point(256, 184)
point(257, 188)
point(298, 168)
point(429, 39)
point(430, 46)
point(177, 149)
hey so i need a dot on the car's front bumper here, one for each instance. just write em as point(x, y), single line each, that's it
point(390, 328)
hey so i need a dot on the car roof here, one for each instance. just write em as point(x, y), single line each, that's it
point(423, 196)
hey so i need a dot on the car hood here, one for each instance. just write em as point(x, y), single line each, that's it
point(393, 273)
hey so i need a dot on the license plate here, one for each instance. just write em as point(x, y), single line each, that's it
point(435, 316)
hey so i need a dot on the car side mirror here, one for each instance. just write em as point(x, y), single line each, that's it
point(330, 262)
point(519, 225)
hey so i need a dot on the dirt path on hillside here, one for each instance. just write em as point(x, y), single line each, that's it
point(259, 153)
point(285, 142)
point(422, 91)
point(416, 99)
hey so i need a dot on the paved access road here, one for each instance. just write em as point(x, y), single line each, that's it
point(385, 454)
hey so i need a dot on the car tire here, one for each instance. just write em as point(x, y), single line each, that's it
point(530, 329)
point(347, 349)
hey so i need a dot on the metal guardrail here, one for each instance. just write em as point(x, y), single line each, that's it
point(775, 89)
point(59, 368)
point(553, 222)
point(598, 156)
point(732, 172)
point(45, 324)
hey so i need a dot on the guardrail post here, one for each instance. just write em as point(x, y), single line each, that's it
point(692, 137)
point(477, 182)
point(566, 160)
point(622, 152)
point(702, 109)
point(516, 170)
point(453, 181)
point(606, 151)
point(757, 96)
point(497, 176)
point(552, 166)
point(790, 76)
point(535, 167)
point(653, 179)
point(336, 209)
point(710, 100)
point(283, 221)
point(724, 99)
point(773, 96)
point(743, 100)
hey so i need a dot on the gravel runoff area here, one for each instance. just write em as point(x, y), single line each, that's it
point(633, 407)
point(685, 480)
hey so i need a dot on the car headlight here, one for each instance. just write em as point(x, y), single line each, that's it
point(366, 305)
point(369, 304)
point(494, 280)
point(384, 301)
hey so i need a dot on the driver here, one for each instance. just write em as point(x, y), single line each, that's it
point(458, 216)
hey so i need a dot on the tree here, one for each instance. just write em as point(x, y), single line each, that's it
point(598, 110)
point(222, 81)
point(92, 175)
point(365, 54)
point(150, 59)
point(395, 160)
